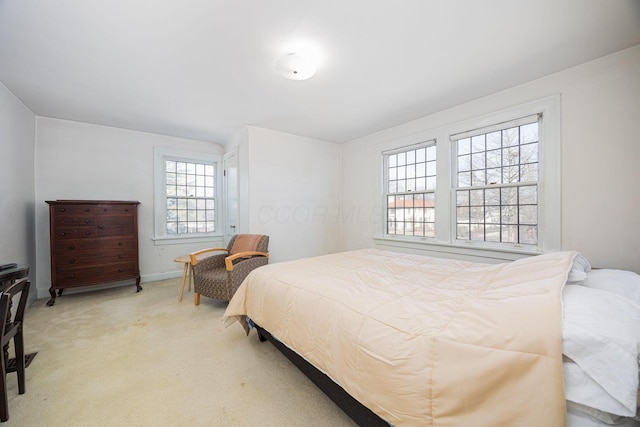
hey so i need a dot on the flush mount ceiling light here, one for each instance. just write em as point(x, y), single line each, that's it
point(295, 67)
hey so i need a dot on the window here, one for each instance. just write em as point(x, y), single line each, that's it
point(410, 191)
point(186, 195)
point(190, 191)
point(498, 185)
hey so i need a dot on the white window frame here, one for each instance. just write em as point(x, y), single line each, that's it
point(549, 197)
point(161, 154)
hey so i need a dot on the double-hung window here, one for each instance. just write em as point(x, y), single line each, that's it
point(186, 195)
point(498, 185)
point(410, 176)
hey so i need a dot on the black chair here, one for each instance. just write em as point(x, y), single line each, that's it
point(12, 329)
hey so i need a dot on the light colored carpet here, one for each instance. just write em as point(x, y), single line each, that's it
point(115, 357)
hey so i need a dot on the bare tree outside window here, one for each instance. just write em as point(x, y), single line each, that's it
point(497, 185)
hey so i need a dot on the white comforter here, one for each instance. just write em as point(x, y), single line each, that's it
point(420, 340)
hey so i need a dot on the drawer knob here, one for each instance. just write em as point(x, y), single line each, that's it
point(120, 270)
point(72, 276)
point(87, 221)
point(63, 234)
point(72, 247)
point(63, 209)
point(87, 233)
point(72, 261)
point(101, 227)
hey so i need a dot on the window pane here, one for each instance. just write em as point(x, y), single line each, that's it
point(529, 173)
point(528, 195)
point(528, 235)
point(431, 183)
point(464, 163)
point(462, 198)
point(528, 215)
point(478, 161)
point(402, 159)
point(464, 146)
point(492, 196)
point(529, 133)
point(462, 231)
point(411, 157)
point(477, 232)
point(464, 179)
point(509, 233)
point(529, 153)
point(477, 144)
point(431, 152)
point(494, 140)
point(477, 197)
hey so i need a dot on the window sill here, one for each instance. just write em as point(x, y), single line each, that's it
point(466, 252)
point(180, 240)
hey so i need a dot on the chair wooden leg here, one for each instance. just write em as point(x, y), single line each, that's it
point(4, 401)
point(18, 341)
point(190, 276)
point(184, 277)
point(196, 298)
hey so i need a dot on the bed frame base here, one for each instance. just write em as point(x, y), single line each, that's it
point(359, 413)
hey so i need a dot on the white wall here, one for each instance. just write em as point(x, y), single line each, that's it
point(293, 193)
point(84, 161)
point(600, 158)
point(17, 141)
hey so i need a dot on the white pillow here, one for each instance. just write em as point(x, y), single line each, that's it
point(621, 282)
point(601, 334)
point(579, 270)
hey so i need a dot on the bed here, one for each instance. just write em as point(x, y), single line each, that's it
point(400, 339)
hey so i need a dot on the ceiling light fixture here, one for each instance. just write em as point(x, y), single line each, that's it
point(295, 67)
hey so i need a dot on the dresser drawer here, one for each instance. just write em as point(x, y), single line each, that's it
point(74, 210)
point(91, 258)
point(74, 232)
point(80, 276)
point(74, 220)
point(116, 209)
point(63, 247)
point(113, 225)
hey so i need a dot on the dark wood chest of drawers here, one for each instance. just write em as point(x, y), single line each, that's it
point(92, 242)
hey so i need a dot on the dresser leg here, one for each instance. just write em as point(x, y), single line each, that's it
point(138, 287)
point(52, 301)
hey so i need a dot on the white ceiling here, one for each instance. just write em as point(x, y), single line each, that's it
point(201, 69)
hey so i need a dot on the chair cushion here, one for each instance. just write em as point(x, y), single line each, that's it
point(245, 242)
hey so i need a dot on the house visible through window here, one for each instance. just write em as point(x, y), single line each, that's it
point(410, 187)
point(498, 189)
point(496, 195)
point(190, 195)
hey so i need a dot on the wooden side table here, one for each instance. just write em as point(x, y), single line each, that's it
point(185, 272)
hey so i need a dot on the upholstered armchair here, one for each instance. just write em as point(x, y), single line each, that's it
point(219, 275)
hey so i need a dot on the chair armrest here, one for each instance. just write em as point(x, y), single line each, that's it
point(195, 256)
point(228, 261)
